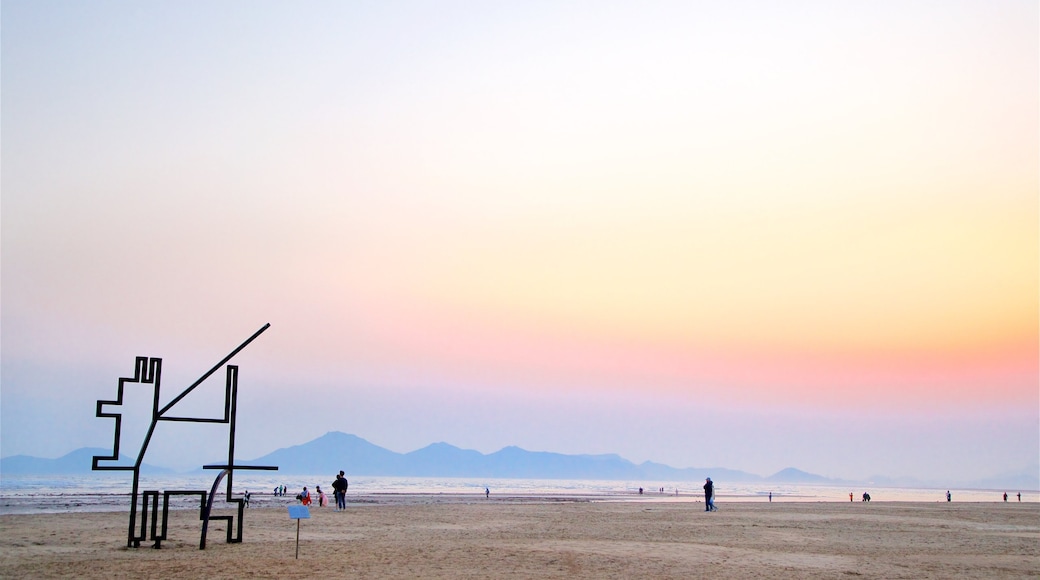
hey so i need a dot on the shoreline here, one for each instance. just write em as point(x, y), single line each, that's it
point(107, 502)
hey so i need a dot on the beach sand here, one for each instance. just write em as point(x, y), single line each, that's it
point(419, 537)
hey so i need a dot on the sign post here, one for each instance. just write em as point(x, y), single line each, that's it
point(298, 512)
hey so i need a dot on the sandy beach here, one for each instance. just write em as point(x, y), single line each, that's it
point(418, 537)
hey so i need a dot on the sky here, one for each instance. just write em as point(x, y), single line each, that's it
point(750, 235)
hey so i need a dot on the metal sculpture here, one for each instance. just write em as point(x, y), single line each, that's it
point(149, 371)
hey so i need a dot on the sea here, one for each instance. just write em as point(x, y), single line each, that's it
point(111, 493)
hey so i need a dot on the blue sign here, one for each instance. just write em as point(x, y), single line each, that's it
point(299, 512)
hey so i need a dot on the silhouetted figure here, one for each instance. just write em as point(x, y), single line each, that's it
point(948, 496)
point(339, 488)
point(709, 495)
point(1005, 497)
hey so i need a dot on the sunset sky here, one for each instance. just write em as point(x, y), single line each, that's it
point(751, 235)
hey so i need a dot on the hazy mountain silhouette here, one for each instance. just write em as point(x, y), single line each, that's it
point(76, 462)
point(792, 475)
point(334, 451)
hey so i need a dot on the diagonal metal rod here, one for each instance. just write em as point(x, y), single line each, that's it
point(212, 370)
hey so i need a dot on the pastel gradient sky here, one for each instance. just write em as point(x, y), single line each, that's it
point(745, 234)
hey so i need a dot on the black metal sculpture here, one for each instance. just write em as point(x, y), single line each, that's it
point(148, 371)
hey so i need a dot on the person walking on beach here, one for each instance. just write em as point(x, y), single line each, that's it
point(340, 488)
point(709, 495)
point(948, 496)
point(1005, 497)
point(1019, 496)
point(770, 497)
point(487, 492)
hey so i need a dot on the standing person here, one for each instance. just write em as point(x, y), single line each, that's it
point(770, 497)
point(487, 492)
point(1019, 496)
point(850, 496)
point(340, 488)
point(948, 496)
point(1005, 497)
point(709, 495)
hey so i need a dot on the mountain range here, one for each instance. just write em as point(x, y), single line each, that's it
point(335, 451)
point(76, 462)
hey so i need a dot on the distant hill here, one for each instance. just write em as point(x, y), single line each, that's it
point(1028, 478)
point(792, 475)
point(76, 462)
point(334, 451)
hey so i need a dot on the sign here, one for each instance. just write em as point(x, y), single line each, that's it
point(298, 512)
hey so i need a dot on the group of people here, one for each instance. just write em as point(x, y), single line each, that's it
point(950, 497)
point(339, 490)
point(304, 497)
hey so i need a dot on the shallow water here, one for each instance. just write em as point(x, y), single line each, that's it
point(108, 492)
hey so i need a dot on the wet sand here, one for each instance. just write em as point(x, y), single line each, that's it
point(435, 537)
